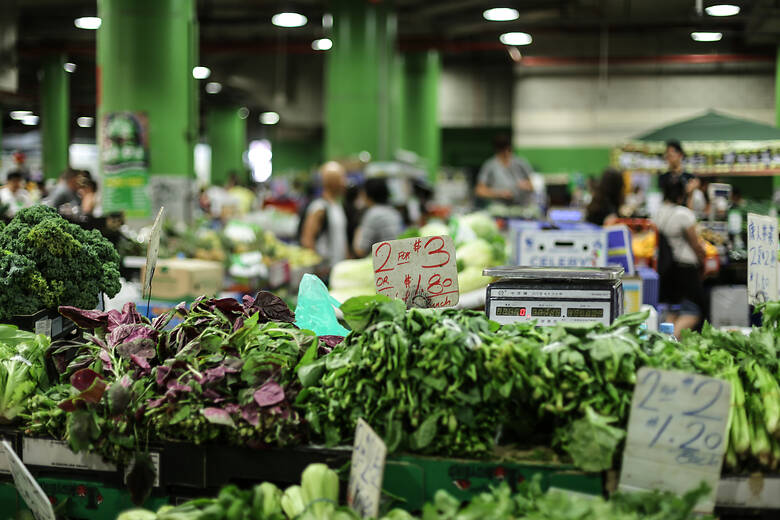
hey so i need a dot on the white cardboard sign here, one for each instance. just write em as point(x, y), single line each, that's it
point(151, 254)
point(368, 469)
point(27, 486)
point(677, 433)
point(421, 271)
point(762, 244)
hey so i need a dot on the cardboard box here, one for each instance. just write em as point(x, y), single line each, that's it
point(182, 278)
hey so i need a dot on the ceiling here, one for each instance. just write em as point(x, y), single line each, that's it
point(235, 34)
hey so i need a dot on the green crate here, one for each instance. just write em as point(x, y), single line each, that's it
point(414, 480)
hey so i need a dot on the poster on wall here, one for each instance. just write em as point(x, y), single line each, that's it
point(124, 163)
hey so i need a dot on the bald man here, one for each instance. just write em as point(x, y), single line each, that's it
point(325, 224)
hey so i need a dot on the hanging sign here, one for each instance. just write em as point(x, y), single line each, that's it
point(368, 468)
point(27, 486)
point(124, 163)
point(421, 271)
point(677, 433)
point(762, 243)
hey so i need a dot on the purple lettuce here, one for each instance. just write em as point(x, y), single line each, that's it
point(218, 416)
point(269, 394)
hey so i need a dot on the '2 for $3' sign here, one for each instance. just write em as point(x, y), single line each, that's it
point(421, 271)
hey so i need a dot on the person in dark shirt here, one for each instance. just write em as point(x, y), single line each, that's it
point(674, 157)
point(605, 205)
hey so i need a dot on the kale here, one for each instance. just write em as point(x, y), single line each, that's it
point(47, 261)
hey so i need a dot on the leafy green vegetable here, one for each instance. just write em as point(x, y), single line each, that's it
point(22, 369)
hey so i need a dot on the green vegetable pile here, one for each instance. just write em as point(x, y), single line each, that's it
point(46, 261)
point(21, 369)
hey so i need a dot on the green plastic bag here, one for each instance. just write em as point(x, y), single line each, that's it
point(316, 308)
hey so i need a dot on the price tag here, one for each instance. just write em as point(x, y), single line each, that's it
point(43, 326)
point(368, 468)
point(28, 487)
point(151, 254)
point(677, 433)
point(762, 244)
point(420, 271)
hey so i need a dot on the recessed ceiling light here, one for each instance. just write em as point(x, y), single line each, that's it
point(288, 20)
point(515, 38)
point(213, 87)
point(88, 22)
point(85, 121)
point(69, 67)
point(327, 20)
point(18, 115)
point(201, 72)
point(323, 44)
point(269, 118)
point(30, 120)
point(706, 36)
point(501, 14)
point(722, 10)
point(243, 112)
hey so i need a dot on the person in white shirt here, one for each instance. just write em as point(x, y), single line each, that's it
point(325, 223)
point(681, 282)
point(13, 195)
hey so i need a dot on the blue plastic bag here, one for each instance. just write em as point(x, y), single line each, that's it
point(316, 308)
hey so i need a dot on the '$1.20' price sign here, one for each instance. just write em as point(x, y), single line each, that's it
point(421, 271)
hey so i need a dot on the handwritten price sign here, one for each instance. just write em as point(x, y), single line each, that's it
point(368, 469)
point(27, 486)
point(420, 271)
point(677, 433)
point(762, 258)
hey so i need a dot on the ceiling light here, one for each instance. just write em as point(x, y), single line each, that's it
point(706, 36)
point(515, 38)
point(501, 14)
point(243, 112)
point(201, 72)
point(327, 20)
point(18, 115)
point(288, 20)
point(722, 10)
point(30, 120)
point(323, 44)
point(85, 122)
point(87, 22)
point(364, 156)
point(269, 118)
point(69, 67)
point(213, 87)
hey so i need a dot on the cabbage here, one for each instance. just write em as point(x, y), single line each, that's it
point(471, 279)
point(434, 228)
point(480, 223)
point(352, 273)
point(477, 253)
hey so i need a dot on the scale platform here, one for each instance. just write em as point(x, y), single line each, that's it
point(553, 295)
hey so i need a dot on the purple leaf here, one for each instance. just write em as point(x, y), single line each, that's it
point(72, 404)
point(95, 392)
point(161, 321)
point(143, 335)
point(228, 306)
point(83, 379)
point(218, 416)
point(84, 318)
point(182, 309)
point(141, 362)
point(238, 324)
point(154, 403)
point(175, 386)
point(106, 359)
point(269, 394)
point(331, 341)
point(270, 307)
point(162, 374)
point(250, 413)
point(231, 408)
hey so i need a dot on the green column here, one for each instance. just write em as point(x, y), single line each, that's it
point(359, 80)
point(146, 50)
point(421, 132)
point(227, 137)
point(776, 180)
point(55, 116)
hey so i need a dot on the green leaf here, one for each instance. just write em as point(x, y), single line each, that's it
point(594, 441)
point(182, 414)
point(425, 433)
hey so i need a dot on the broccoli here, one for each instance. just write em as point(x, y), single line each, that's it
point(46, 261)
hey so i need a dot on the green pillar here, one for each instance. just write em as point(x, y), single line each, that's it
point(227, 137)
point(358, 114)
point(421, 132)
point(146, 50)
point(776, 179)
point(55, 116)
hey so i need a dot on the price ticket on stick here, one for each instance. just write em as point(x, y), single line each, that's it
point(677, 433)
point(368, 469)
point(151, 254)
point(27, 486)
point(421, 271)
point(762, 242)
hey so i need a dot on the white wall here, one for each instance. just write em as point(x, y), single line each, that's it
point(475, 96)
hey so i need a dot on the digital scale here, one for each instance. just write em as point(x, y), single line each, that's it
point(552, 295)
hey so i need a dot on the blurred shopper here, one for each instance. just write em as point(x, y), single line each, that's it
point(13, 195)
point(246, 198)
point(380, 221)
point(88, 194)
point(324, 227)
point(504, 177)
point(680, 255)
point(674, 156)
point(606, 201)
point(66, 190)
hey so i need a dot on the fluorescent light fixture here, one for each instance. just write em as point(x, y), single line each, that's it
point(364, 156)
point(30, 120)
point(213, 87)
point(706, 36)
point(201, 72)
point(243, 112)
point(259, 157)
point(288, 20)
point(327, 21)
point(88, 22)
point(501, 14)
point(85, 121)
point(69, 67)
point(18, 115)
point(269, 118)
point(722, 10)
point(515, 38)
point(323, 44)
